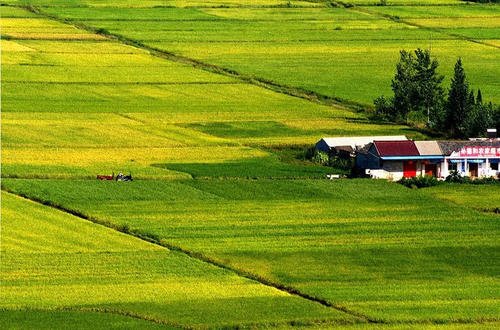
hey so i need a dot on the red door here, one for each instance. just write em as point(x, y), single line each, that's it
point(409, 169)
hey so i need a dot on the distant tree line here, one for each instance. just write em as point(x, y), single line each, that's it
point(419, 98)
point(483, 1)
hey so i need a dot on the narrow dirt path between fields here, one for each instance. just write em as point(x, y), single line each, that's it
point(422, 27)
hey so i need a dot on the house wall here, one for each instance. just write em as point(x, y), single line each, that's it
point(464, 168)
point(370, 160)
point(321, 145)
point(394, 170)
point(390, 170)
point(424, 165)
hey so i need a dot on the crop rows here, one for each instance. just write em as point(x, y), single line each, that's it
point(344, 53)
point(63, 258)
point(207, 153)
point(392, 254)
point(104, 107)
point(166, 3)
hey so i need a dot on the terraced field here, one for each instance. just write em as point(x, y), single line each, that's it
point(193, 98)
point(347, 54)
point(392, 254)
point(103, 106)
point(98, 275)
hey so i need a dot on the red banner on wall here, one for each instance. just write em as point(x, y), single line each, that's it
point(480, 152)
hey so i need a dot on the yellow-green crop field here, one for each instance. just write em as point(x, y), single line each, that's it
point(65, 263)
point(102, 106)
point(225, 225)
point(345, 53)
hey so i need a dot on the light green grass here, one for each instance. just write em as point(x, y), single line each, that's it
point(346, 53)
point(480, 197)
point(32, 27)
point(333, 65)
point(162, 73)
point(72, 109)
point(65, 262)
point(464, 11)
point(167, 3)
point(407, 2)
point(389, 252)
point(265, 167)
point(79, 320)
point(103, 107)
point(452, 22)
point(170, 103)
point(13, 12)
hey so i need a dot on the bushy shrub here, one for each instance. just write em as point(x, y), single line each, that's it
point(101, 31)
point(321, 157)
point(486, 180)
point(309, 153)
point(455, 177)
point(419, 182)
point(384, 108)
point(341, 163)
point(483, 1)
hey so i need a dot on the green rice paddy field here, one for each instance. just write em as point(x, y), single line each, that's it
point(345, 53)
point(224, 226)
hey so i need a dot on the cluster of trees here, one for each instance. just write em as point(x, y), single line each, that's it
point(483, 1)
point(420, 98)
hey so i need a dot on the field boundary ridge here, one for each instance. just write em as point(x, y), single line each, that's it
point(274, 86)
point(443, 31)
point(358, 318)
point(154, 239)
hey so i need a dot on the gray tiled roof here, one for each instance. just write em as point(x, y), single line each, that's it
point(448, 147)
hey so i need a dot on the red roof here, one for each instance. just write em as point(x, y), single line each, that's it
point(396, 148)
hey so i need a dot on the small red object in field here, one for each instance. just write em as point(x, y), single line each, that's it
point(106, 177)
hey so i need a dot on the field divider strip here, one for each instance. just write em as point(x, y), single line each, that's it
point(104, 83)
point(154, 239)
point(298, 92)
point(102, 311)
point(422, 27)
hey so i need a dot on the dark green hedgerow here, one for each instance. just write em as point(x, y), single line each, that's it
point(419, 182)
point(454, 177)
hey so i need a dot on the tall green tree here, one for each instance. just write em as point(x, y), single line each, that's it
point(459, 104)
point(496, 117)
point(479, 97)
point(429, 95)
point(419, 97)
point(480, 118)
point(403, 86)
point(417, 90)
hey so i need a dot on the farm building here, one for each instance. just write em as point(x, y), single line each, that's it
point(431, 158)
point(397, 159)
point(471, 158)
point(347, 146)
